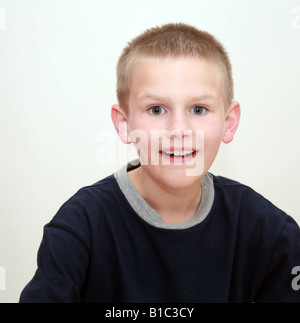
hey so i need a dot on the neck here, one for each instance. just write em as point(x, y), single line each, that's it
point(174, 205)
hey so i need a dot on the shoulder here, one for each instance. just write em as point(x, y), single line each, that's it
point(105, 185)
point(266, 240)
point(98, 192)
point(84, 207)
point(229, 185)
point(254, 216)
point(250, 207)
point(241, 193)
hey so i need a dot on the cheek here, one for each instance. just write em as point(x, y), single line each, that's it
point(213, 135)
point(140, 135)
point(137, 130)
point(214, 131)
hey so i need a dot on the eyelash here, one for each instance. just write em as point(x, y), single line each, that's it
point(204, 109)
point(156, 106)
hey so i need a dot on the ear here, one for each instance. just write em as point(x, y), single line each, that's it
point(232, 121)
point(120, 122)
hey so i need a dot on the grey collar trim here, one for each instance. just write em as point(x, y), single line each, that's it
point(143, 209)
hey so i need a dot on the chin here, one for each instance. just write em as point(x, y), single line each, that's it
point(176, 178)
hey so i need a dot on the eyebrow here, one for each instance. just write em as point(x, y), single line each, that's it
point(159, 98)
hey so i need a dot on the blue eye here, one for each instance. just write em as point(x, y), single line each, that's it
point(157, 110)
point(198, 110)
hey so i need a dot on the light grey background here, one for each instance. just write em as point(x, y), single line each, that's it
point(57, 85)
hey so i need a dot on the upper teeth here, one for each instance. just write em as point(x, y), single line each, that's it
point(178, 153)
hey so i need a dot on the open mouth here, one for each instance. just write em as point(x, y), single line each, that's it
point(174, 155)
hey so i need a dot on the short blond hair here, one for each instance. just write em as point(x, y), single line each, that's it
point(172, 40)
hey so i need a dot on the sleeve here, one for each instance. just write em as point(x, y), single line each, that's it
point(63, 259)
point(282, 283)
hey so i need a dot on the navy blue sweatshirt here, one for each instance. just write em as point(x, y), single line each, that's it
point(98, 249)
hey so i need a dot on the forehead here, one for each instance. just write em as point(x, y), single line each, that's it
point(174, 76)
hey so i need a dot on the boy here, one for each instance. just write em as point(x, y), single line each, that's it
point(163, 229)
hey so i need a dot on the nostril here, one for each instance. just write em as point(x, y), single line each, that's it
point(178, 133)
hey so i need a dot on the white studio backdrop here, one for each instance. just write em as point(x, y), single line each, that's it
point(57, 85)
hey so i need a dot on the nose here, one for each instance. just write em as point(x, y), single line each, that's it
point(178, 124)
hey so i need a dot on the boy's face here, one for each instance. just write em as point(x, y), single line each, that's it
point(177, 117)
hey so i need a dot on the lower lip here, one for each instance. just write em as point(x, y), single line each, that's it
point(179, 159)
